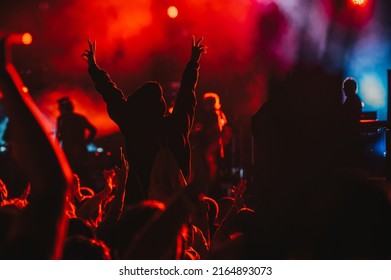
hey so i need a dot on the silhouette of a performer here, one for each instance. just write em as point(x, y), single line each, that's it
point(143, 122)
point(74, 132)
point(352, 107)
point(351, 115)
point(209, 136)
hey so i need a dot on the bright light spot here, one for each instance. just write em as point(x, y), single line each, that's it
point(27, 38)
point(91, 148)
point(358, 2)
point(25, 89)
point(99, 150)
point(172, 12)
point(372, 91)
point(3, 149)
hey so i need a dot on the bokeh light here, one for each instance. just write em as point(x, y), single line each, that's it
point(373, 91)
point(27, 38)
point(172, 12)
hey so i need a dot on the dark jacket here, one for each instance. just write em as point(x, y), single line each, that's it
point(143, 134)
point(71, 129)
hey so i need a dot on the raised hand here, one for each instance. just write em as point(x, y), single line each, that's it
point(89, 54)
point(197, 49)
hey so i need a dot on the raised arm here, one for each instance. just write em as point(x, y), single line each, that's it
point(186, 100)
point(39, 232)
point(112, 95)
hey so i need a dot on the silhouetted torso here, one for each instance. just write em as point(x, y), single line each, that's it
point(145, 134)
point(72, 133)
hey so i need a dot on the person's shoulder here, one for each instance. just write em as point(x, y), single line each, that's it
point(357, 98)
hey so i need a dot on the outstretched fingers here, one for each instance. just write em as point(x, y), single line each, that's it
point(198, 43)
point(92, 45)
point(89, 53)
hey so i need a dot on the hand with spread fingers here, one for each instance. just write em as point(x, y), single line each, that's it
point(89, 54)
point(197, 49)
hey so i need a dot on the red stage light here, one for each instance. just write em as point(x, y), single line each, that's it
point(172, 12)
point(27, 38)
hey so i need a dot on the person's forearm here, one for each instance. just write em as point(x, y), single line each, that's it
point(190, 76)
point(186, 102)
point(104, 84)
point(112, 95)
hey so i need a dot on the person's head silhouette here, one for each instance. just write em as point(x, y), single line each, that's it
point(149, 98)
point(65, 105)
point(349, 86)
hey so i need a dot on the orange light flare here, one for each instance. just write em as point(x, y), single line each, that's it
point(27, 38)
point(359, 12)
point(172, 12)
point(18, 39)
point(358, 2)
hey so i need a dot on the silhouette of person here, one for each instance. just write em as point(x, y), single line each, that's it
point(352, 107)
point(351, 115)
point(143, 121)
point(71, 132)
point(209, 136)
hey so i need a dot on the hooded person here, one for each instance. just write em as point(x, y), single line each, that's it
point(143, 121)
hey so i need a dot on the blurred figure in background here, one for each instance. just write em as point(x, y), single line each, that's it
point(210, 135)
point(74, 132)
point(351, 115)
